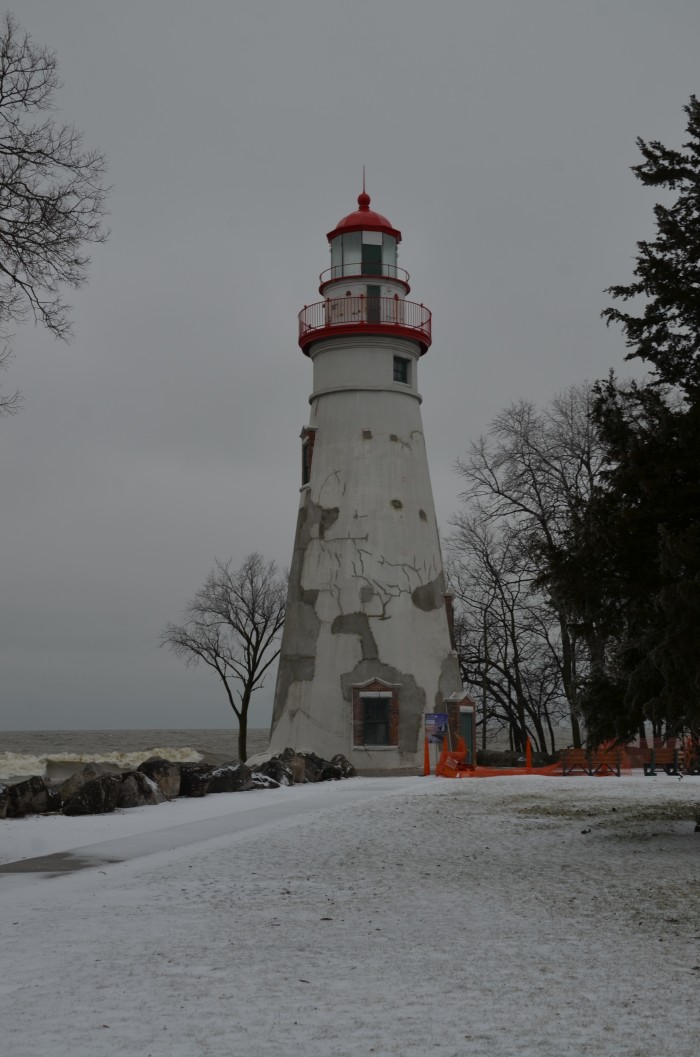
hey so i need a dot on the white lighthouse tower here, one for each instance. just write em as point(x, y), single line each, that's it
point(366, 649)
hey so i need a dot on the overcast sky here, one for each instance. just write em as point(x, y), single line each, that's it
point(497, 135)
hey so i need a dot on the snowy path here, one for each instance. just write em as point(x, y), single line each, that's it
point(48, 844)
point(399, 916)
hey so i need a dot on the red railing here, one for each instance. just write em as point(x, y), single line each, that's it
point(355, 271)
point(347, 313)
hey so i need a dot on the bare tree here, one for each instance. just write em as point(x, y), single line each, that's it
point(52, 193)
point(233, 625)
point(9, 405)
point(503, 633)
point(528, 477)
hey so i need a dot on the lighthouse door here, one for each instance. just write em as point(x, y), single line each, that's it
point(467, 728)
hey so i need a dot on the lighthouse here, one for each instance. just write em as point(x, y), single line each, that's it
point(367, 645)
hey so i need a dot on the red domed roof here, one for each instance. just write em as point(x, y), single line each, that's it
point(364, 219)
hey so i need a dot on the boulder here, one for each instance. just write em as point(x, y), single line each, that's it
point(195, 779)
point(31, 796)
point(277, 770)
point(164, 773)
point(331, 773)
point(230, 778)
point(347, 770)
point(55, 799)
point(295, 763)
point(298, 768)
point(313, 766)
point(263, 781)
point(96, 797)
point(308, 767)
point(138, 790)
point(88, 773)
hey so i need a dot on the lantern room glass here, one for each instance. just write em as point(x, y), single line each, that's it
point(363, 253)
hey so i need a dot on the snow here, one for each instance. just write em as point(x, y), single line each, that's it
point(516, 916)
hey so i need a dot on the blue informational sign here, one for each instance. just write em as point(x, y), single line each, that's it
point(436, 727)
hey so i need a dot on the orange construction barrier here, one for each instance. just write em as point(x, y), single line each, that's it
point(608, 760)
point(454, 764)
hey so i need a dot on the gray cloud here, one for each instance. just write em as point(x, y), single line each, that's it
point(497, 136)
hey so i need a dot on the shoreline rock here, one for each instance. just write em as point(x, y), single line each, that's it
point(96, 797)
point(165, 773)
point(101, 788)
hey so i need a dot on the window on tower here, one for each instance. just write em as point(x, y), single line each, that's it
point(371, 260)
point(372, 253)
point(376, 714)
point(376, 719)
point(402, 370)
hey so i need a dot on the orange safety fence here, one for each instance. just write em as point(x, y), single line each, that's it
point(455, 764)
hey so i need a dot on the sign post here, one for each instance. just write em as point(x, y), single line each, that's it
point(436, 730)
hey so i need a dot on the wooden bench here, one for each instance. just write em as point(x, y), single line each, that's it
point(578, 761)
point(666, 759)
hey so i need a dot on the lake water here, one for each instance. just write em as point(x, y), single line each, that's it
point(54, 753)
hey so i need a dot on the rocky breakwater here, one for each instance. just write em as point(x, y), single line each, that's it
point(101, 788)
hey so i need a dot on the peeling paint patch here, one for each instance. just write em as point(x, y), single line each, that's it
point(397, 504)
point(328, 517)
point(301, 626)
point(429, 596)
point(291, 670)
point(399, 440)
point(357, 624)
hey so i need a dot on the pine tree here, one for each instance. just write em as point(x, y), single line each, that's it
point(667, 333)
point(631, 562)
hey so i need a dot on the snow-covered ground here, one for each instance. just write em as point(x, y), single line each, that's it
point(506, 917)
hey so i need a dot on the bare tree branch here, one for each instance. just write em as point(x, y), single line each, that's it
point(233, 626)
point(524, 483)
point(9, 405)
point(52, 192)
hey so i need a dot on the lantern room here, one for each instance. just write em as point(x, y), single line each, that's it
point(364, 288)
point(364, 244)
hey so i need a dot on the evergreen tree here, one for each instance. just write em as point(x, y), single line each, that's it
point(630, 565)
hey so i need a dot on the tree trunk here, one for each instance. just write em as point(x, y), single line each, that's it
point(568, 674)
point(483, 686)
point(552, 739)
point(539, 734)
point(243, 727)
point(243, 738)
